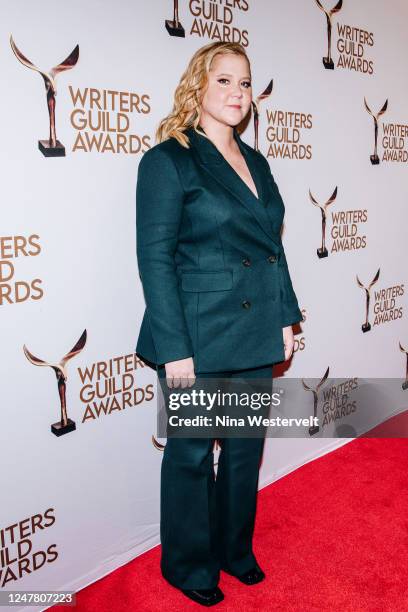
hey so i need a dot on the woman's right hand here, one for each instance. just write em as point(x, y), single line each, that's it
point(180, 372)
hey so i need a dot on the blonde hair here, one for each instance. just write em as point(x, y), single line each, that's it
point(190, 90)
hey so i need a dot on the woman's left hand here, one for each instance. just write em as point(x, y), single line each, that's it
point(288, 341)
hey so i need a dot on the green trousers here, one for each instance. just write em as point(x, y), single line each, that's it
point(207, 523)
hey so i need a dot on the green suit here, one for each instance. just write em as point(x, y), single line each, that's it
point(207, 524)
point(217, 288)
point(211, 261)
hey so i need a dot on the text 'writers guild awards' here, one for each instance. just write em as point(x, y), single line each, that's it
point(51, 147)
point(322, 251)
point(255, 109)
point(173, 26)
point(327, 61)
point(375, 160)
point(366, 325)
point(65, 425)
point(405, 383)
point(315, 428)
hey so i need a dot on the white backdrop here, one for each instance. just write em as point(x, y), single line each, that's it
point(86, 502)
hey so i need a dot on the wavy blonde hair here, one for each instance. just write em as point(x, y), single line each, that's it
point(190, 91)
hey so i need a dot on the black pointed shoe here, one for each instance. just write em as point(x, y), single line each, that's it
point(252, 576)
point(205, 597)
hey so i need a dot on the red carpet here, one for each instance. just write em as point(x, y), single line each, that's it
point(331, 536)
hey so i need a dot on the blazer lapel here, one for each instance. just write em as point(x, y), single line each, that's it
point(215, 164)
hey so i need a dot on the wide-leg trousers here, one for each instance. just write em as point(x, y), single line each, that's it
point(207, 523)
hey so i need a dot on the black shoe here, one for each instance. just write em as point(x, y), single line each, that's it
point(252, 576)
point(205, 597)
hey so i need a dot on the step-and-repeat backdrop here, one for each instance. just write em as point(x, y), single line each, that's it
point(83, 87)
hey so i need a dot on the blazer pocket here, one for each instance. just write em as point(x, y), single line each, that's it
point(206, 281)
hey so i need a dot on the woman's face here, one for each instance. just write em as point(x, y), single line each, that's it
point(228, 96)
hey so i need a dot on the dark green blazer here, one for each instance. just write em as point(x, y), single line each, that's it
point(210, 256)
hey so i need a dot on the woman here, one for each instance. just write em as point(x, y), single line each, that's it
point(219, 303)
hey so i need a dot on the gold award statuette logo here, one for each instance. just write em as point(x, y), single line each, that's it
point(173, 26)
point(157, 444)
point(65, 425)
point(367, 326)
point(255, 108)
point(328, 61)
point(375, 160)
point(405, 383)
point(51, 147)
point(322, 251)
point(315, 428)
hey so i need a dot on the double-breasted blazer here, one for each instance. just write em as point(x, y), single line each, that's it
point(211, 261)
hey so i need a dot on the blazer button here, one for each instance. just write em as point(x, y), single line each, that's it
point(246, 304)
point(272, 258)
point(246, 262)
